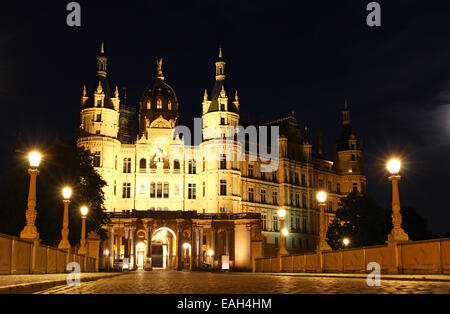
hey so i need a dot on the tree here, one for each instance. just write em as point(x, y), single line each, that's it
point(415, 225)
point(360, 219)
point(62, 164)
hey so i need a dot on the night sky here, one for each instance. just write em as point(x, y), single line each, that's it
point(281, 56)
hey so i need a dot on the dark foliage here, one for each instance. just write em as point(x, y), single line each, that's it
point(62, 164)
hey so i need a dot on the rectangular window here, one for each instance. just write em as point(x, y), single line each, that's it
point(115, 187)
point(251, 195)
point(97, 159)
point(293, 243)
point(159, 190)
point(99, 117)
point(263, 197)
point(152, 189)
point(192, 167)
point(192, 191)
point(329, 186)
point(126, 191)
point(320, 183)
point(264, 222)
point(250, 171)
point(355, 187)
point(304, 200)
point(275, 197)
point(297, 200)
point(303, 179)
point(304, 225)
point(222, 121)
point(297, 223)
point(223, 161)
point(338, 188)
point(223, 210)
point(223, 187)
point(275, 223)
point(127, 165)
point(166, 190)
point(274, 176)
point(296, 179)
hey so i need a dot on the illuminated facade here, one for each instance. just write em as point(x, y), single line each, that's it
point(196, 209)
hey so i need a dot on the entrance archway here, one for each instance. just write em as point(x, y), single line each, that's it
point(163, 248)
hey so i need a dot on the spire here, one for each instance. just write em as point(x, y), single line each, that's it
point(236, 98)
point(84, 90)
point(101, 62)
point(223, 93)
point(220, 52)
point(159, 68)
point(116, 92)
point(99, 88)
point(346, 114)
point(220, 67)
point(205, 96)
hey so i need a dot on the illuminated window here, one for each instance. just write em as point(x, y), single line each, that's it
point(127, 165)
point(166, 190)
point(159, 104)
point(159, 190)
point(97, 159)
point(126, 190)
point(263, 196)
point(192, 191)
point(152, 189)
point(251, 195)
point(149, 104)
point(169, 105)
point(192, 166)
point(223, 187)
point(275, 197)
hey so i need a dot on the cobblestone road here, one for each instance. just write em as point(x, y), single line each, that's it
point(162, 282)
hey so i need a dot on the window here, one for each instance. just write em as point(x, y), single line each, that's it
point(222, 106)
point(97, 159)
point(166, 190)
point(353, 158)
point(127, 165)
point(159, 190)
point(149, 104)
point(275, 223)
point(338, 188)
point(143, 164)
point(251, 195)
point(296, 178)
point(126, 191)
point(176, 164)
point(99, 102)
point(192, 168)
point(263, 197)
point(303, 179)
point(330, 206)
point(320, 183)
point(291, 198)
point(297, 223)
point(223, 161)
point(222, 121)
point(274, 176)
point(304, 225)
point(152, 189)
point(264, 222)
point(304, 200)
point(223, 187)
point(169, 105)
point(250, 171)
point(275, 197)
point(191, 191)
point(297, 200)
point(293, 243)
point(204, 188)
point(159, 104)
point(329, 186)
point(223, 210)
point(355, 187)
point(291, 176)
point(115, 162)
point(99, 117)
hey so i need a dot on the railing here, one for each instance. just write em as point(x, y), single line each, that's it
point(18, 256)
point(419, 257)
point(172, 214)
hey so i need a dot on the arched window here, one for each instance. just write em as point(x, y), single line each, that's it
point(143, 164)
point(149, 106)
point(169, 105)
point(159, 104)
point(159, 190)
point(176, 164)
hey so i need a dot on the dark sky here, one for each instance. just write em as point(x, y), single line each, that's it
point(281, 56)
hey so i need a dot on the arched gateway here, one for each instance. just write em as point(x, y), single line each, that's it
point(182, 239)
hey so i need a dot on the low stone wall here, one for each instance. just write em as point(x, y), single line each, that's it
point(18, 256)
point(420, 257)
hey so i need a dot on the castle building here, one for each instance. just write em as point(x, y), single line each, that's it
point(174, 212)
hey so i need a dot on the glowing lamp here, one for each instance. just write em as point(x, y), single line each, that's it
point(321, 196)
point(84, 211)
point(35, 159)
point(281, 213)
point(346, 241)
point(67, 192)
point(284, 231)
point(106, 252)
point(211, 253)
point(393, 166)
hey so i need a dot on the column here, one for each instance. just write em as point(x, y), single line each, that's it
point(227, 242)
point(193, 246)
point(126, 253)
point(148, 262)
point(213, 245)
point(179, 245)
point(200, 246)
point(111, 246)
point(133, 245)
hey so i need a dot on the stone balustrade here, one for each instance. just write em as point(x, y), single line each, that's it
point(18, 256)
point(413, 257)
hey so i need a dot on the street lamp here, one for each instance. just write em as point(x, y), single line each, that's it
point(64, 243)
point(346, 242)
point(29, 231)
point(283, 233)
point(322, 245)
point(397, 233)
point(84, 211)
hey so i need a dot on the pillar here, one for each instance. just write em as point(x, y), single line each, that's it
point(179, 245)
point(111, 247)
point(148, 262)
point(133, 246)
point(213, 245)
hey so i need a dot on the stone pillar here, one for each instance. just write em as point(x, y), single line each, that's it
point(193, 247)
point(200, 246)
point(179, 245)
point(148, 262)
point(213, 245)
point(133, 246)
point(397, 233)
point(111, 247)
point(227, 242)
point(126, 253)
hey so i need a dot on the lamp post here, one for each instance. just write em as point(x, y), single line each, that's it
point(397, 233)
point(283, 233)
point(29, 231)
point(84, 211)
point(322, 245)
point(64, 243)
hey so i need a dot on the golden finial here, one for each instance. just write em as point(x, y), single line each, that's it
point(102, 49)
point(205, 96)
point(222, 92)
point(220, 52)
point(99, 88)
point(236, 98)
point(84, 90)
point(116, 92)
point(159, 67)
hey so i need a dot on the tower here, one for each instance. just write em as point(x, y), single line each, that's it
point(100, 126)
point(220, 110)
point(348, 157)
